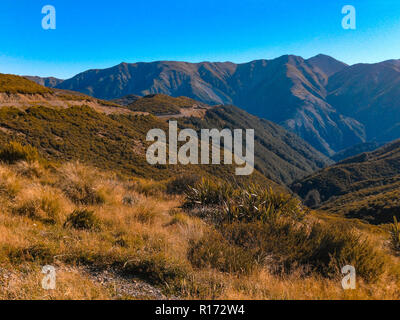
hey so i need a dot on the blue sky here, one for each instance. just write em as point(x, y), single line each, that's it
point(99, 34)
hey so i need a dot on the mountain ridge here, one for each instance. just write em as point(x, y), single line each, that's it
point(287, 90)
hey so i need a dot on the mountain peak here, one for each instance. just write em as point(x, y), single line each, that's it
point(326, 64)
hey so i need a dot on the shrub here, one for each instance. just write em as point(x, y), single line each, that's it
point(254, 203)
point(262, 204)
point(208, 193)
point(395, 235)
point(82, 220)
point(149, 187)
point(31, 169)
point(182, 184)
point(83, 193)
point(157, 269)
point(130, 200)
point(318, 248)
point(14, 152)
point(212, 250)
point(39, 253)
point(180, 219)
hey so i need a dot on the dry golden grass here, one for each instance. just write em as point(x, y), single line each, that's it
point(142, 234)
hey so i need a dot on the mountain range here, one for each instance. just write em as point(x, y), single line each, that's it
point(324, 101)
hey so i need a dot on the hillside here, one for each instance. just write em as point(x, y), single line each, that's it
point(115, 141)
point(355, 150)
point(365, 186)
point(279, 155)
point(77, 193)
point(368, 92)
point(69, 125)
point(11, 84)
point(21, 93)
point(161, 104)
point(126, 100)
point(287, 90)
point(113, 238)
point(50, 82)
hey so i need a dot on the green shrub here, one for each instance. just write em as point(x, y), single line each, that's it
point(318, 248)
point(262, 204)
point(83, 220)
point(254, 203)
point(14, 152)
point(208, 193)
point(212, 250)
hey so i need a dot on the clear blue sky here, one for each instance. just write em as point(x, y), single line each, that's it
point(98, 34)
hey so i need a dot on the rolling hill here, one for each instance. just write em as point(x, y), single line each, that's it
point(364, 186)
point(279, 155)
point(71, 126)
point(50, 82)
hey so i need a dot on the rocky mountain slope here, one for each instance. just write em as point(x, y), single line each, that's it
point(369, 93)
point(288, 90)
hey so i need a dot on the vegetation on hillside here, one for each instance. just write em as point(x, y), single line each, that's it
point(364, 186)
point(134, 230)
point(115, 142)
point(265, 224)
point(15, 84)
point(161, 104)
point(279, 155)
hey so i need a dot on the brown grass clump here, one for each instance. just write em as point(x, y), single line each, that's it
point(41, 203)
point(82, 219)
point(78, 183)
point(15, 151)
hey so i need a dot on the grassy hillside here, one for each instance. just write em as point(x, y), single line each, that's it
point(279, 155)
point(108, 239)
point(14, 84)
point(365, 186)
point(115, 141)
point(161, 104)
point(114, 137)
point(355, 150)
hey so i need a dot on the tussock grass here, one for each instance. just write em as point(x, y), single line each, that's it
point(82, 219)
point(395, 235)
point(46, 219)
point(15, 151)
point(78, 184)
